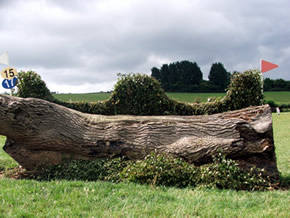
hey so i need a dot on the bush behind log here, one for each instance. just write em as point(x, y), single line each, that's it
point(30, 85)
point(138, 94)
point(244, 90)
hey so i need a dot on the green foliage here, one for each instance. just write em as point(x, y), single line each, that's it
point(276, 85)
point(159, 169)
point(142, 95)
point(278, 97)
point(74, 170)
point(225, 173)
point(183, 76)
point(98, 169)
point(218, 77)
point(138, 95)
point(99, 107)
point(271, 103)
point(244, 90)
point(30, 85)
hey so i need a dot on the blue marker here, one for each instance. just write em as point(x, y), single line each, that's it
point(9, 83)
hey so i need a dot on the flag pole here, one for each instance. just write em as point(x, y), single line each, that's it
point(262, 80)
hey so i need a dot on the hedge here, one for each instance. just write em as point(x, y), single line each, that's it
point(138, 94)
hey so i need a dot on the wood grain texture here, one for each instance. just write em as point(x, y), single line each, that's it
point(39, 132)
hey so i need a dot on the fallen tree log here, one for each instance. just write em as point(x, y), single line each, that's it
point(39, 132)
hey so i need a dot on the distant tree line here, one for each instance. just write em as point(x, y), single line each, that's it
point(186, 76)
point(276, 85)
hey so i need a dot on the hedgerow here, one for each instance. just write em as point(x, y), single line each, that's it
point(138, 94)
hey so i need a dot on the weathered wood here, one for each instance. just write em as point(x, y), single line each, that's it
point(40, 132)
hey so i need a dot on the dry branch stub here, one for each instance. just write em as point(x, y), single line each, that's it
point(39, 132)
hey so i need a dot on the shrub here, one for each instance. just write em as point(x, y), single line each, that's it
point(224, 173)
point(74, 170)
point(98, 169)
point(160, 169)
point(244, 90)
point(30, 85)
point(138, 94)
point(271, 103)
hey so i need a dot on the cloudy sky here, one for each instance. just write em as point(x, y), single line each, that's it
point(80, 45)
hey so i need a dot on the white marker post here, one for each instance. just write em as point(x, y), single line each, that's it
point(261, 75)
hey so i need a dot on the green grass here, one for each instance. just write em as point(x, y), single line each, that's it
point(281, 130)
point(89, 97)
point(194, 97)
point(101, 199)
point(29, 198)
point(6, 161)
point(278, 97)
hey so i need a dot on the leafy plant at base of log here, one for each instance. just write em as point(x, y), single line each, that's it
point(98, 169)
point(160, 169)
point(225, 173)
point(138, 94)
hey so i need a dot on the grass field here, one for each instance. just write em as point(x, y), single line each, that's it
point(29, 198)
point(278, 97)
point(90, 97)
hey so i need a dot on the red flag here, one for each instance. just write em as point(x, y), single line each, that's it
point(266, 66)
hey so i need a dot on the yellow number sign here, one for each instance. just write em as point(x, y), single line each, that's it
point(9, 73)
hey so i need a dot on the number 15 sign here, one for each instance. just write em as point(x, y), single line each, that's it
point(10, 80)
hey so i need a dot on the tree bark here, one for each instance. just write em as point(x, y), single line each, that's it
point(39, 132)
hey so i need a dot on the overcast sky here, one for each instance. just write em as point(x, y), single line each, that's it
point(80, 45)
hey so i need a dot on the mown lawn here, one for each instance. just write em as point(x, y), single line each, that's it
point(88, 97)
point(102, 199)
point(277, 97)
point(29, 198)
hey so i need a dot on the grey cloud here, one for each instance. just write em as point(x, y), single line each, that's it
point(63, 39)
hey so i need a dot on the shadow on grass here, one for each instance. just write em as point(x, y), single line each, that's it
point(285, 182)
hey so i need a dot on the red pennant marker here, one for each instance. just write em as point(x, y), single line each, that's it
point(266, 66)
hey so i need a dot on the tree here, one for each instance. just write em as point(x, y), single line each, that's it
point(268, 84)
point(276, 85)
point(218, 76)
point(183, 76)
point(164, 73)
point(191, 73)
point(155, 72)
point(30, 85)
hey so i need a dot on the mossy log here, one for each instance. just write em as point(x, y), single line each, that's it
point(39, 133)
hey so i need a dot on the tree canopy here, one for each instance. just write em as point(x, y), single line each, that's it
point(219, 77)
point(183, 76)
